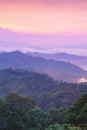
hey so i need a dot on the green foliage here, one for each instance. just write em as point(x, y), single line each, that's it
point(78, 111)
point(40, 117)
point(15, 112)
point(70, 127)
point(19, 113)
point(55, 127)
point(20, 102)
point(52, 117)
point(38, 86)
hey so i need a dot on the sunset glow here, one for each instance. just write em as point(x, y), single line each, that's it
point(44, 16)
point(48, 26)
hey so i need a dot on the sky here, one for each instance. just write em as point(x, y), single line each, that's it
point(55, 25)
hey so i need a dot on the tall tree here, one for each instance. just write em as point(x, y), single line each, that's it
point(77, 113)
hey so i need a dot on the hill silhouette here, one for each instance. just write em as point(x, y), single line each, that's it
point(59, 70)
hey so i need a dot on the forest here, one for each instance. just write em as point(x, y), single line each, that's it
point(34, 101)
point(20, 113)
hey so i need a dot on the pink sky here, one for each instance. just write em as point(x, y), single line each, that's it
point(45, 43)
point(44, 16)
point(55, 25)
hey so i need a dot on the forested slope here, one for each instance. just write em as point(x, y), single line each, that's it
point(47, 92)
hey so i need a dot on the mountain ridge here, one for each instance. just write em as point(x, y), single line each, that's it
point(78, 60)
point(47, 92)
point(59, 70)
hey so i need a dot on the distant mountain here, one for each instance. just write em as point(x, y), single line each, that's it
point(59, 70)
point(81, 61)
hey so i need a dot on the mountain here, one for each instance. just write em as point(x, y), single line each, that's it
point(80, 61)
point(47, 92)
point(59, 70)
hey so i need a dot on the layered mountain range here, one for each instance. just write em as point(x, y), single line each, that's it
point(58, 69)
point(80, 61)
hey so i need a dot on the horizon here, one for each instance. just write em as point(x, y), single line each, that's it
point(38, 52)
point(49, 26)
point(43, 43)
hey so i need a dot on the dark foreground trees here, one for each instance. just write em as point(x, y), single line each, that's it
point(15, 112)
point(20, 113)
point(77, 113)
